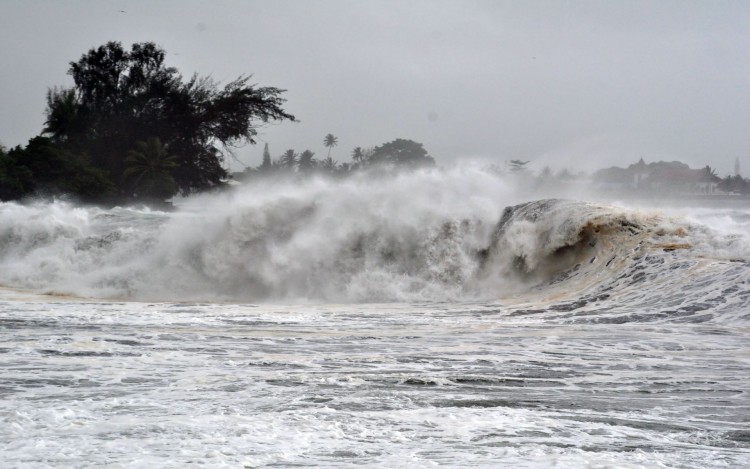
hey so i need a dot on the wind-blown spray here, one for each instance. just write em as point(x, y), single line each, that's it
point(422, 236)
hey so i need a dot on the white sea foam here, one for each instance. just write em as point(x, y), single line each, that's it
point(430, 236)
point(612, 336)
point(463, 385)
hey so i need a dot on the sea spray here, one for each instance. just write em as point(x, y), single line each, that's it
point(422, 236)
point(537, 333)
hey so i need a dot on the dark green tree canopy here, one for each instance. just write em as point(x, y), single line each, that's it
point(401, 153)
point(43, 168)
point(121, 97)
point(149, 170)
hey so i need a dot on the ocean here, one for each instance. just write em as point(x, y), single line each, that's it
point(430, 319)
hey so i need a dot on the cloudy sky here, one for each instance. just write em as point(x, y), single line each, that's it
point(580, 84)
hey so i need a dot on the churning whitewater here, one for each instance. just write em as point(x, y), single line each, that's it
point(437, 317)
point(430, 236)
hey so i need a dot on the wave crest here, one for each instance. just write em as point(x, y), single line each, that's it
point(425, 236)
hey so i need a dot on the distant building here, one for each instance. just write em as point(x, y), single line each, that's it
point(662, 177)
point(614, 179)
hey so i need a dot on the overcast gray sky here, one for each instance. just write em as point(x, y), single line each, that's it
point(582, 84)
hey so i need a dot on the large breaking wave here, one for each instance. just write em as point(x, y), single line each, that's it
point(434, 236)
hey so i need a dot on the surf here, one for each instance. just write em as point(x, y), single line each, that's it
point(460, 234)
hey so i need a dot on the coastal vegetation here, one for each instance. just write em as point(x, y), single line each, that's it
point(669, 178)
point(133, 129)
point(397, 155)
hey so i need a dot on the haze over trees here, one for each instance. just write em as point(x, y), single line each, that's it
point(397, 155)
point(132, 129)
point(400, 153)
point(306, 162)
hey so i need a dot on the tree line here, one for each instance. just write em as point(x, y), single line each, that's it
point(133, 129)
point(399, 154)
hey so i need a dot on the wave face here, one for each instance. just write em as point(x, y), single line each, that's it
point(596, 263)
point(429, 236)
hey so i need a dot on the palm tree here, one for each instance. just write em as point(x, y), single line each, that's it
point(330, 141)
point(306, 162)
point(358, 155)
point(328, 164)
point(709, 174)
point(288, 160)
point(150, 167)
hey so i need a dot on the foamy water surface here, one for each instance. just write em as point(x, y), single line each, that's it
point(88, 384)
point(424, 320)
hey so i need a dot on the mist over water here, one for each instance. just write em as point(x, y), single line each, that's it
point(477, 324)
point(412, 236)
point(554, 313)
point(421, 236)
